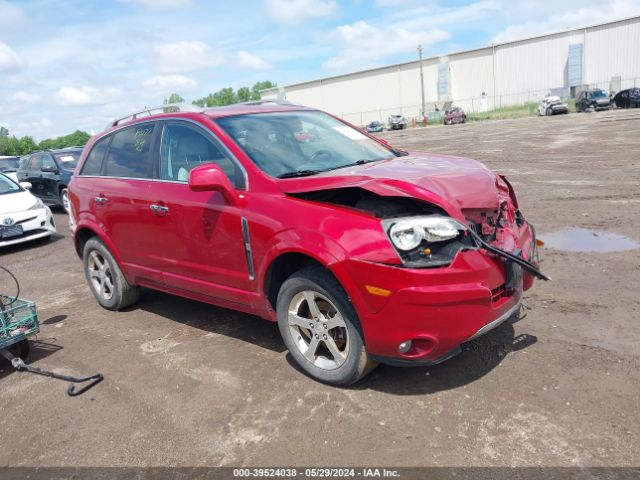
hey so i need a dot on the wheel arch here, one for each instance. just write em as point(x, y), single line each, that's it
point(283, 266)
point(86, 232)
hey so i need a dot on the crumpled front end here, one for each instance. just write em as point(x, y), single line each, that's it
point(446, 293)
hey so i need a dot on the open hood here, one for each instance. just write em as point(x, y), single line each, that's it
point(443, 180)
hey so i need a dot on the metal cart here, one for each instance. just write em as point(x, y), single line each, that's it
point(18, 321)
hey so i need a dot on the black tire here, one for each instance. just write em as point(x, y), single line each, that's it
point(64, 199)
point(121, 294)
point(549, 112)
point(357, 362)
point(20, 349)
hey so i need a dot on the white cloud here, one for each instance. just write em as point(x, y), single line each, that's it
point(185, 56)
point(249, 60)
point(25, 97)
point(10, 61)
point(160, 3)
point(10, 15)
point(85, 95)
point(584, 13)
point(298, 11)
point(164, 84)
point(361, 45)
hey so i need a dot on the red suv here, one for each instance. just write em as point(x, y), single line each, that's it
point(361, 252)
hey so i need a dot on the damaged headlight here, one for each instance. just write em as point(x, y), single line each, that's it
point(427, 241)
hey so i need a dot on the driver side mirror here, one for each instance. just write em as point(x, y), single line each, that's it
point(210, 178)
point(26, 185)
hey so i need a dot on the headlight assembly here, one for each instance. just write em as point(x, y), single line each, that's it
point(427, 241)
point(38, 205)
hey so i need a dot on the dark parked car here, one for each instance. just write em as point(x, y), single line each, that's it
point(455, 115)
point(629, 98)
point(397, 122)
point(49, 173)
point(375, 127)
point(595, 99)
point(9, 165)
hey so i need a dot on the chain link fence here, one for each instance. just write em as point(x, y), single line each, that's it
point(483, 107)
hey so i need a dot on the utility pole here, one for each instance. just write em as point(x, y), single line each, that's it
point(424, 113)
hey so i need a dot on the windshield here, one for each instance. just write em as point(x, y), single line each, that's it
point(68, 160)
point(7, 185)
point(9, 164)
point(301, 142)
point(598, 94)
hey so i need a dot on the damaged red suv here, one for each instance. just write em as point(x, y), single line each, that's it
point(362, 253)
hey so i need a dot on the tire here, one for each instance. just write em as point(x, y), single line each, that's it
point(105, 279)
point(64, 199)
point(549, 112)
point(20, 349)
point(350, 362)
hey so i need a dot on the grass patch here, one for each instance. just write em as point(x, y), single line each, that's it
point(528, 109)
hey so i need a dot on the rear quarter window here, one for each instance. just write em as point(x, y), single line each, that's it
point(93, 163)
point(129, 154)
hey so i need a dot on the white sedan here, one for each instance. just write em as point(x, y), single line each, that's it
point(23, 217)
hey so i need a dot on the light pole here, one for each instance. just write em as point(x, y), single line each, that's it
point(424, 113)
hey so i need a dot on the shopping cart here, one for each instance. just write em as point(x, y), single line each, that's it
point(19, 321)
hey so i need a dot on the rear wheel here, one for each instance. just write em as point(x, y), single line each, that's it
point(64, 199)
point(321, 329)
point(105, 278)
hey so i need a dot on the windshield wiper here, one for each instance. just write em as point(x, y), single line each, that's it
point(362, 161)
point(299, 173)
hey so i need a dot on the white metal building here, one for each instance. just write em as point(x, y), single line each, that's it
point(605, 55)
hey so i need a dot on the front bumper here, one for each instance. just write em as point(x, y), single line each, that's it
point(437, 308)
point(35, 224)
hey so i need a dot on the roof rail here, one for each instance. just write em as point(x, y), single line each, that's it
point(166, 108)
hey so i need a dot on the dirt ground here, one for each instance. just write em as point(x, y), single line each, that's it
point(189, 384)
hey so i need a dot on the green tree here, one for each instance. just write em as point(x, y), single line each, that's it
point(75, 139)
point(227, 96)
point(173, 98)
point(255, 90)
point(244, 94)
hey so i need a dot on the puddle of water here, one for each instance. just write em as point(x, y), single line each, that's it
point(576, 239)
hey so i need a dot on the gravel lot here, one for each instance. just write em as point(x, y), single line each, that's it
point(189, 384)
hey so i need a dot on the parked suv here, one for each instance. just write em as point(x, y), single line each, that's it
point(49, 173)
point(361, 252)
point(595, 99)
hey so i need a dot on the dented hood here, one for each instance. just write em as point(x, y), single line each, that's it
point(441, 179)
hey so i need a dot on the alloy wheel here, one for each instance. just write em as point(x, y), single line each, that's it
point(318, 330)
point(100, 275)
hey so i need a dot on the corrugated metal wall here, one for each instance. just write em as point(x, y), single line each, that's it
point(508, 74)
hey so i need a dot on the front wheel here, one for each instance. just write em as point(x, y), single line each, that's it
point(321, 329)
point(106, 280)
point(549, 112)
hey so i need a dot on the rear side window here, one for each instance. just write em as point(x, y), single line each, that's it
point(93, 163)
point(129, 154)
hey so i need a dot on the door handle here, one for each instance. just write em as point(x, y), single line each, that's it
point(101, 200)
point(159, 209)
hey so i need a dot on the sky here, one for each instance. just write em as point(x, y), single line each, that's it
point(67, 65)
